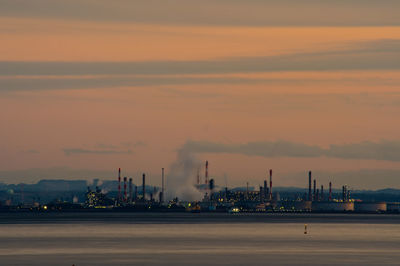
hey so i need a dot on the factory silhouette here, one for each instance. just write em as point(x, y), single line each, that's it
point(237, 200)
point(124, 195)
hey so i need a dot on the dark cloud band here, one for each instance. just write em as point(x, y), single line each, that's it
point(209, 12)
point(373, 55)
point(384, 150)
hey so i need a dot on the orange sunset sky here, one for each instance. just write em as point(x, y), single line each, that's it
point(90, 86)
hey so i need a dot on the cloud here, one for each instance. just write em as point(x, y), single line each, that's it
point(265, 149)
point(106, 148)
point(35, 84)
point(36, 174)
point(373, 55)
point(209, 12)
point(384, 150)
point(76, 151)
point(201, 94)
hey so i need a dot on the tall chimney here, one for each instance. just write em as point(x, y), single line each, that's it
point(322, 192)
point(119, 184)
point(144, 187)
point(152, 194)
point(136, 195)
point(162, 186)
point(265, 188)
point(309, 186)
point(315, 189)
point(198, 176)
point(317, 195)
point(130, 190)
point(22, 193)
point(344, 193)
point(206, 181)
point(247, 190)
point(270, 184)
point(330, 191)
point(125, 194)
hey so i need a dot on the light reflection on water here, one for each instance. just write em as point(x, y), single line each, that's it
point(199, 244)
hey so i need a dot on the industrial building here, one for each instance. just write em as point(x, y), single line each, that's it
point(124, 195)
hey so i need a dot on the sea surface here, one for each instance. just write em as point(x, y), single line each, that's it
point(198, 239)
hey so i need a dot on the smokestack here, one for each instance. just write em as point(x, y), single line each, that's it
point(144, 187)
point(315, 189)
point(322, 192)
point(119, 184)
point(162, 186)
point(265, 189)
point(309, 186)
point(136, 195)
point(206, 181)
point(198, 176)
point(247, 190)
point(330, 191)
point(153, 194)
point(317, 195)
point(22, 193)
point(344, 193)
point(130, 190)
point(125, 195)
point(270, 184)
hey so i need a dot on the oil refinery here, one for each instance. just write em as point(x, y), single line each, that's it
point(124, 195)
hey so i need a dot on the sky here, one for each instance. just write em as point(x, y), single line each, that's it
point(88, 86)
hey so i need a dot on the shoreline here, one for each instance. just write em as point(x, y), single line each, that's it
point(193, 218)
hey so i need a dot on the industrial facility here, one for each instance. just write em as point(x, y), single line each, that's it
point(124, 195)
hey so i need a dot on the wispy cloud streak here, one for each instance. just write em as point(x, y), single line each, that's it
point(76, 151)
point(384, 150)
point(208, 12)
point(376, 55)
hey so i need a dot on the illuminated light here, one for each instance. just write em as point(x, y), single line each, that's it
point(45, 207)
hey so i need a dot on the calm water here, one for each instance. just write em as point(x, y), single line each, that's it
point(159, 241)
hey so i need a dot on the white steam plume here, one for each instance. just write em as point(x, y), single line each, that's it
point(181, 178)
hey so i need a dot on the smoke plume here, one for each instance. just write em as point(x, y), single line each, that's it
point(181, 178)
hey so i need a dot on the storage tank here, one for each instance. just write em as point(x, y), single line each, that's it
point(330, 206)
point(370, 207)
point(296, 205)
point(393, 207)
point(302, 205)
